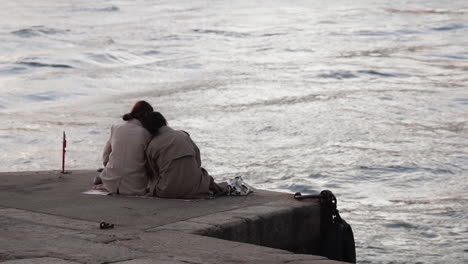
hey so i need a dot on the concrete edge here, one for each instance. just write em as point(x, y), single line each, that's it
point(293, 228)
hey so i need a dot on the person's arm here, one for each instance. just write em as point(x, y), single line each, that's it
point(197, 151)
point(107, 151)
point(197, 154)
point(195, 148)
point(149, 168)
point(154, 174)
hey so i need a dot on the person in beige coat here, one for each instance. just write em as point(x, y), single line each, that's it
point(176, 164)
point(126, 170)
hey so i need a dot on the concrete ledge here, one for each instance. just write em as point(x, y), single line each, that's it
point(295, 228)
point(46, 219)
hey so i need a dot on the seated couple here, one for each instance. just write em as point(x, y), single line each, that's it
point(145, 156)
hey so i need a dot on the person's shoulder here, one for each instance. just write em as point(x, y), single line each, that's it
point(115, 127)
point(184, 136)
point(168, 133)
point(181, 133)
point(185, 132)
point(132, 126)
point(134, 122)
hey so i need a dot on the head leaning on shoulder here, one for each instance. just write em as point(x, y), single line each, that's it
point(153, 122)
point(140, 110)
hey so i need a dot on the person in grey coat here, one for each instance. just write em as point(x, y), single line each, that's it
point(175, 162)
point(125, 167)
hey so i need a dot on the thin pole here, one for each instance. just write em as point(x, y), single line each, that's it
point(64, 146)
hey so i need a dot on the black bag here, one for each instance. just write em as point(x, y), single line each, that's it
point(338, 242)
point(337, 238)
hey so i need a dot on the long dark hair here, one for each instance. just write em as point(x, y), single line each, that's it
point(140, 110)
point(153, 122)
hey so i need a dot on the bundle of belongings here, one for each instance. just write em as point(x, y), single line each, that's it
point(237, 187)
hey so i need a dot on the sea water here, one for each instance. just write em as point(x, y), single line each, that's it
point(365, 98)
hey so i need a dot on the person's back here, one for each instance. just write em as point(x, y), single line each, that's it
point(125, 170)
point(175, 162)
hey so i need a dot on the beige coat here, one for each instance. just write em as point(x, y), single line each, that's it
point(126, 170)
point(175, 161)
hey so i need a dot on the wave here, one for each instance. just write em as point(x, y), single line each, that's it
point(102, 57)
point(12, 70)
point(40, 64)
point(425, 11)
point(451, 200)
point(401, 224)
point(99, 9)
point(449, 27)
point(339, 75)
point(38, 31)
point(45, 96)
point(381, 74)
point(406, 169)
point(302, 188)
point(222, 33)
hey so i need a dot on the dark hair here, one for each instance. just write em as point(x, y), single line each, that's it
point(140, 110)
point(153, 122)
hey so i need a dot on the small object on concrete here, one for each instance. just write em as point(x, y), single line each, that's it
point(299, 196)
point(104, 225)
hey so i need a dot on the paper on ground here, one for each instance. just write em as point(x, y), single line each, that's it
point(97, 192)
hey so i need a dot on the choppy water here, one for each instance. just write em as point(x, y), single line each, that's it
point(366, 98)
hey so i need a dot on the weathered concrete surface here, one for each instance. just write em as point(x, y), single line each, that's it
point(47, 219)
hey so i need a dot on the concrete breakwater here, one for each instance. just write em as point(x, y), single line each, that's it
point(45, 218)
